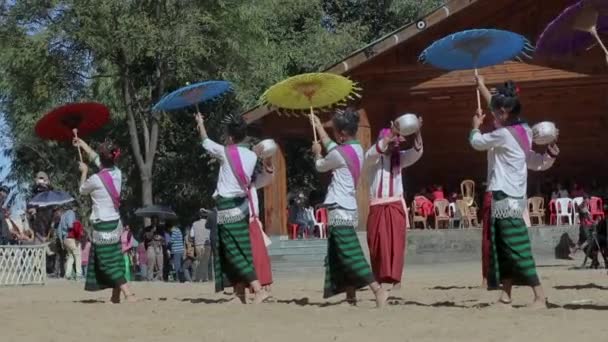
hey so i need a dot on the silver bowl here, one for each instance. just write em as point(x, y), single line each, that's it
point(544, 133)
point(407, 124)
point(268, 148)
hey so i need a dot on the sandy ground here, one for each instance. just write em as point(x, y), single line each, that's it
point(436, 303)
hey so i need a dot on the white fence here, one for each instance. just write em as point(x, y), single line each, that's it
point(23, 265)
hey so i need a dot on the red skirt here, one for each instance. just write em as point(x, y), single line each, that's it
point(386, 227)
point(261, 260)
point(485, 234)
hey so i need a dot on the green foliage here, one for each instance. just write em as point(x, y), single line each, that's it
point(128, 53)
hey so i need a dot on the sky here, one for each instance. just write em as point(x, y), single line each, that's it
point(5, 163)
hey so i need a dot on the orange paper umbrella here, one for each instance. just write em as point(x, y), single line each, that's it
point(311, 91)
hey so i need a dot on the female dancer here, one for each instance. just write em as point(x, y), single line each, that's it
point(346, 269)
point(232, 251)
point(510, 152)
point(388, 220)
point(106, 267)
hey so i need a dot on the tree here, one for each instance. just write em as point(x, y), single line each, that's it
point(128, 53)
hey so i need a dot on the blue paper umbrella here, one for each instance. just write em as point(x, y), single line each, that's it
point(473, 49)
point(478, 48)
point(191, 95)
point(51, 198)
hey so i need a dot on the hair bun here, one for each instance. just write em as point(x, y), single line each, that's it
point(508, 89)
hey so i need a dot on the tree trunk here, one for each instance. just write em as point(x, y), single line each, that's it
point(146, 190)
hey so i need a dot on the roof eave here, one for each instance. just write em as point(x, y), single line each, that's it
point(379, 46)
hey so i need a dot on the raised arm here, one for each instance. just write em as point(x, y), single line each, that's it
point(332, 161)
point(86, 185)
point(412, 155)
point(483, 89)
point(325, 139)
point(484, 142)
point(376, 150)
point(265, 177)
point(91, 154)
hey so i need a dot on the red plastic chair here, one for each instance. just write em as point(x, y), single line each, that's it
point(552, 213)
point(321, 217)
point(293, 228)
point(597, 208)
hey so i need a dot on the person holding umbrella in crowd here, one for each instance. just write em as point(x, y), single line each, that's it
point(106, 264)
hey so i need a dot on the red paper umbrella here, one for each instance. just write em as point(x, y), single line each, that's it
point(64, 122)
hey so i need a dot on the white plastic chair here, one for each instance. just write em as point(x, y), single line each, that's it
point(576, 202)
point(318, 225)
point(565, 209)
point(454, 215)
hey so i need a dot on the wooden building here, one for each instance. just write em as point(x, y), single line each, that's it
point(572, 91)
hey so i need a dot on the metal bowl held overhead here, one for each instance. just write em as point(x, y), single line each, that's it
point(544, 133)
point(407, 124)
point(268, 148)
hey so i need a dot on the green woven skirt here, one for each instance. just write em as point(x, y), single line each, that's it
point(233, 261)
point(106, 268)
point(345, 264)
point(510, 252)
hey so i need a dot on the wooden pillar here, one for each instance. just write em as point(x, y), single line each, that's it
point(364, 135)
point(275, 197)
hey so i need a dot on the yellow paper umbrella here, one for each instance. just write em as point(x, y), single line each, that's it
point(310, 91)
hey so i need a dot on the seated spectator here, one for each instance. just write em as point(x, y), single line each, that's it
point(299, 216)
point(453, 197)
point(20, 230)
point(577, 191)
point(559, 192)
point(425, 205)
point(438, 193)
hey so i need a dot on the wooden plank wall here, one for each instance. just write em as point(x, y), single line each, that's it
point(579, 110)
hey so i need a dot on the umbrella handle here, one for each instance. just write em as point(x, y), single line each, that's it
point(312, 122)
point(75, 130)
point(478, 94)
point(595, 35)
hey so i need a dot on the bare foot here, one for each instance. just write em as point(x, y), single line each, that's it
point(538, 304)
point(260, 297)
point(351, 300)
point(505, 304)
point(238, 299)
point(381, 297)
point(132, 299)
point(114, 299)
point(397, 286)
point(484, 283)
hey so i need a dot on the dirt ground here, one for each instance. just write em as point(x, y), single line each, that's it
point(436, 303)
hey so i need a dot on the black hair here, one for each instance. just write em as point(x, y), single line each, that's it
point(346, 121)
point(507, 97)
point(108, 154)
point(237, 129)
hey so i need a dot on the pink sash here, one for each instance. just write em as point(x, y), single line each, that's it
point(352, 161)
point(521, 136)
point(234, 160)
point(108, 183)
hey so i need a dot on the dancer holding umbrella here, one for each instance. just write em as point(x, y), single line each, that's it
point(346, 269)
point(510, 155)
point(473, 49)
point(233, 258)
point(106, 264)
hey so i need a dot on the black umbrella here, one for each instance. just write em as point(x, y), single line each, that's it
point(160, 211)
point(51, 198)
